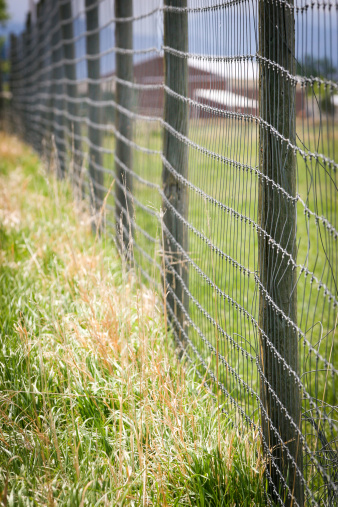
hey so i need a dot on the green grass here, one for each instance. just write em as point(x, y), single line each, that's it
point(238, 189)
point(95, 409)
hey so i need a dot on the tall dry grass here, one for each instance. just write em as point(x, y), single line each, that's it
point(95, 407)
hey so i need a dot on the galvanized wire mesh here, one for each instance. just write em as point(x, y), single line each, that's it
point(216, 120)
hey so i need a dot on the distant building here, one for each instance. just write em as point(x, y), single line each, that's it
point(217, 85)
point(226, 86)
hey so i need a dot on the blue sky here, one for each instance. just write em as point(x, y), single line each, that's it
point(18, 10)
point(318, 35)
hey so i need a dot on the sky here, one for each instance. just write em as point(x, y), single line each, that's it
point(307, 39)
point(18, 10)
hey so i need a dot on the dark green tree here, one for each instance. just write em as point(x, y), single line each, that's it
point(4, 16)
point(316, 67)
point(322, 68)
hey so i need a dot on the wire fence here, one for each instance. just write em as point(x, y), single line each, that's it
point(217, 122)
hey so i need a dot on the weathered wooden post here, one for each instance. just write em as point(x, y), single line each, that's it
point(94, 94)
point(35, 80)
point(175, 152)
point(2, 100)
point(123, 123)
point(40, 82)
point(277, 217)
point(57, 120)
point(21, 80)
point(46, 79)
point(26, 37)
point(72, 107)
point(13, 81)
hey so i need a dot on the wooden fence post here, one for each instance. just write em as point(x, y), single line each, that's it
point(2, 99)
point(124, 124)
point(35, 78)
point(46, 84)
point(94, 94)
point(57, 126)
point(74, 123)
point(175, 152)
point(26, 72)
point(277, 217)
point(13, 81)
point(41, 87)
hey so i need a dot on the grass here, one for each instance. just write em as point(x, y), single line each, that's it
point(238, 189)
point(95, 408)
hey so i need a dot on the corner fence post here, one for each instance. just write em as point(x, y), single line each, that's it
point(175, 153)
point(124, 124)
point(277, 244)
point(94, 109)
point(71, 106)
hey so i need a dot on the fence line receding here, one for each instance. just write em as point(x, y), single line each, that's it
point(217, 120)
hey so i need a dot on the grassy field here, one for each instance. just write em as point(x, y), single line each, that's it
point(237, 189)
point(224, 240)
point(236, 297)
point(95, 409)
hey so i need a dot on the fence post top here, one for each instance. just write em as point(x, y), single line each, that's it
point(28, 20)
point(39, 7)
